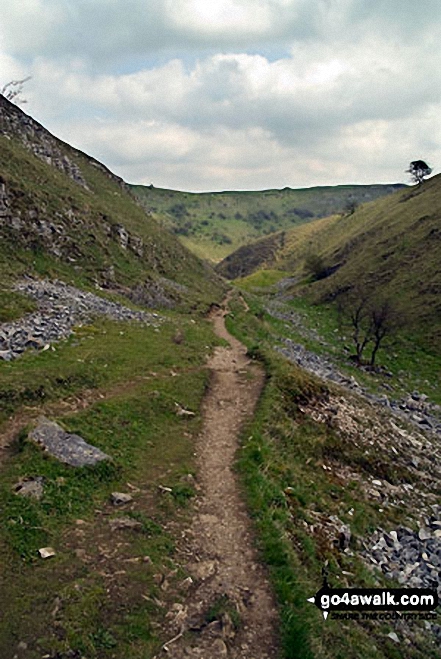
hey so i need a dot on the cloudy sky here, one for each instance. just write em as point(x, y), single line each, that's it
point(234, 94)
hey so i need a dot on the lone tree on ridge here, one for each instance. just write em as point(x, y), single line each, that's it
point(418, 169)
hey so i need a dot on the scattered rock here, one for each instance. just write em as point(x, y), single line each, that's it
point(120, 498)
point(219, 649)
point(178, 337)
point(426, 417)
point(66, 447)
point(344, 537)
point(393, 637)
point(203, 570)
point(180, 411)
point(187, 583)
point(61, 307)
point(46, 552)
point(30, 487)
point(411, 558)
point(424, 534)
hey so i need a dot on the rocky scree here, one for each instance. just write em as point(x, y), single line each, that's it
point(395, 469)
point(411, 558)
point(414, 408)
point(394, 466)
point(61, 307)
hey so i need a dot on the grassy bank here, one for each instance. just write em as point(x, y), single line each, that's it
point(294, 495)
point(107, 589)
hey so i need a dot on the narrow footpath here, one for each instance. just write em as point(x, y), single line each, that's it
point(219, 548)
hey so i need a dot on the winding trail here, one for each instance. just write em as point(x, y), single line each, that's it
point(219, 547)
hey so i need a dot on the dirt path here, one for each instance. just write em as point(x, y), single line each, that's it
point(228, 579)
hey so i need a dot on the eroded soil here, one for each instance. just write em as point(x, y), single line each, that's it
point(229, 608)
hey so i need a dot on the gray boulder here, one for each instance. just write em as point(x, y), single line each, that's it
point(66, 447)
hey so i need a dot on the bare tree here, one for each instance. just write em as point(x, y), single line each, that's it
point(361, 322)
point(354, 313)
point(371, 322)
point(13, 89)
point(418, 169)
point(386, 320)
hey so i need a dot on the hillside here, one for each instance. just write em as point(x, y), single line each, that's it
point(64, 214)
point(176, 481)
point(214, 225)
point(390, 246)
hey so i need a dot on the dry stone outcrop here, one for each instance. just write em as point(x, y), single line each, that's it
point(15, 123)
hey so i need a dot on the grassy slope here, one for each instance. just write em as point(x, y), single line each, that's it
point(118, 386)
point(280, 463)
point(85, 217)
point(390, 247)
point(215, 224)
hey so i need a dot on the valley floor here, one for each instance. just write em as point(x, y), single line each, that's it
point(219, 545)
point(236, 474)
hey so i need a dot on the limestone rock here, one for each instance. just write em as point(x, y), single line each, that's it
point(120, 498)
point(46, 552)
point(30, 487)
point(66, 447)
point(61, 307)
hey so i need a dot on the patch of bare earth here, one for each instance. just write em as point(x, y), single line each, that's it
point(229, 609)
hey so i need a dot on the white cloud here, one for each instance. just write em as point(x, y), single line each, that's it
point(350, 87)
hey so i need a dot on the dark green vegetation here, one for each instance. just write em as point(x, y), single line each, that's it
point(215, 224)
point(282, 465)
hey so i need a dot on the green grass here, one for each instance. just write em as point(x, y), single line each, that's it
point(262, 279)
point(213, 225)
point(100, 355)
point(134, 376)
point(280, 465)
point(14, 305)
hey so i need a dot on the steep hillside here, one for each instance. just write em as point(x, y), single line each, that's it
point(391, 247)
point(64, 214)
point(214, 225)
